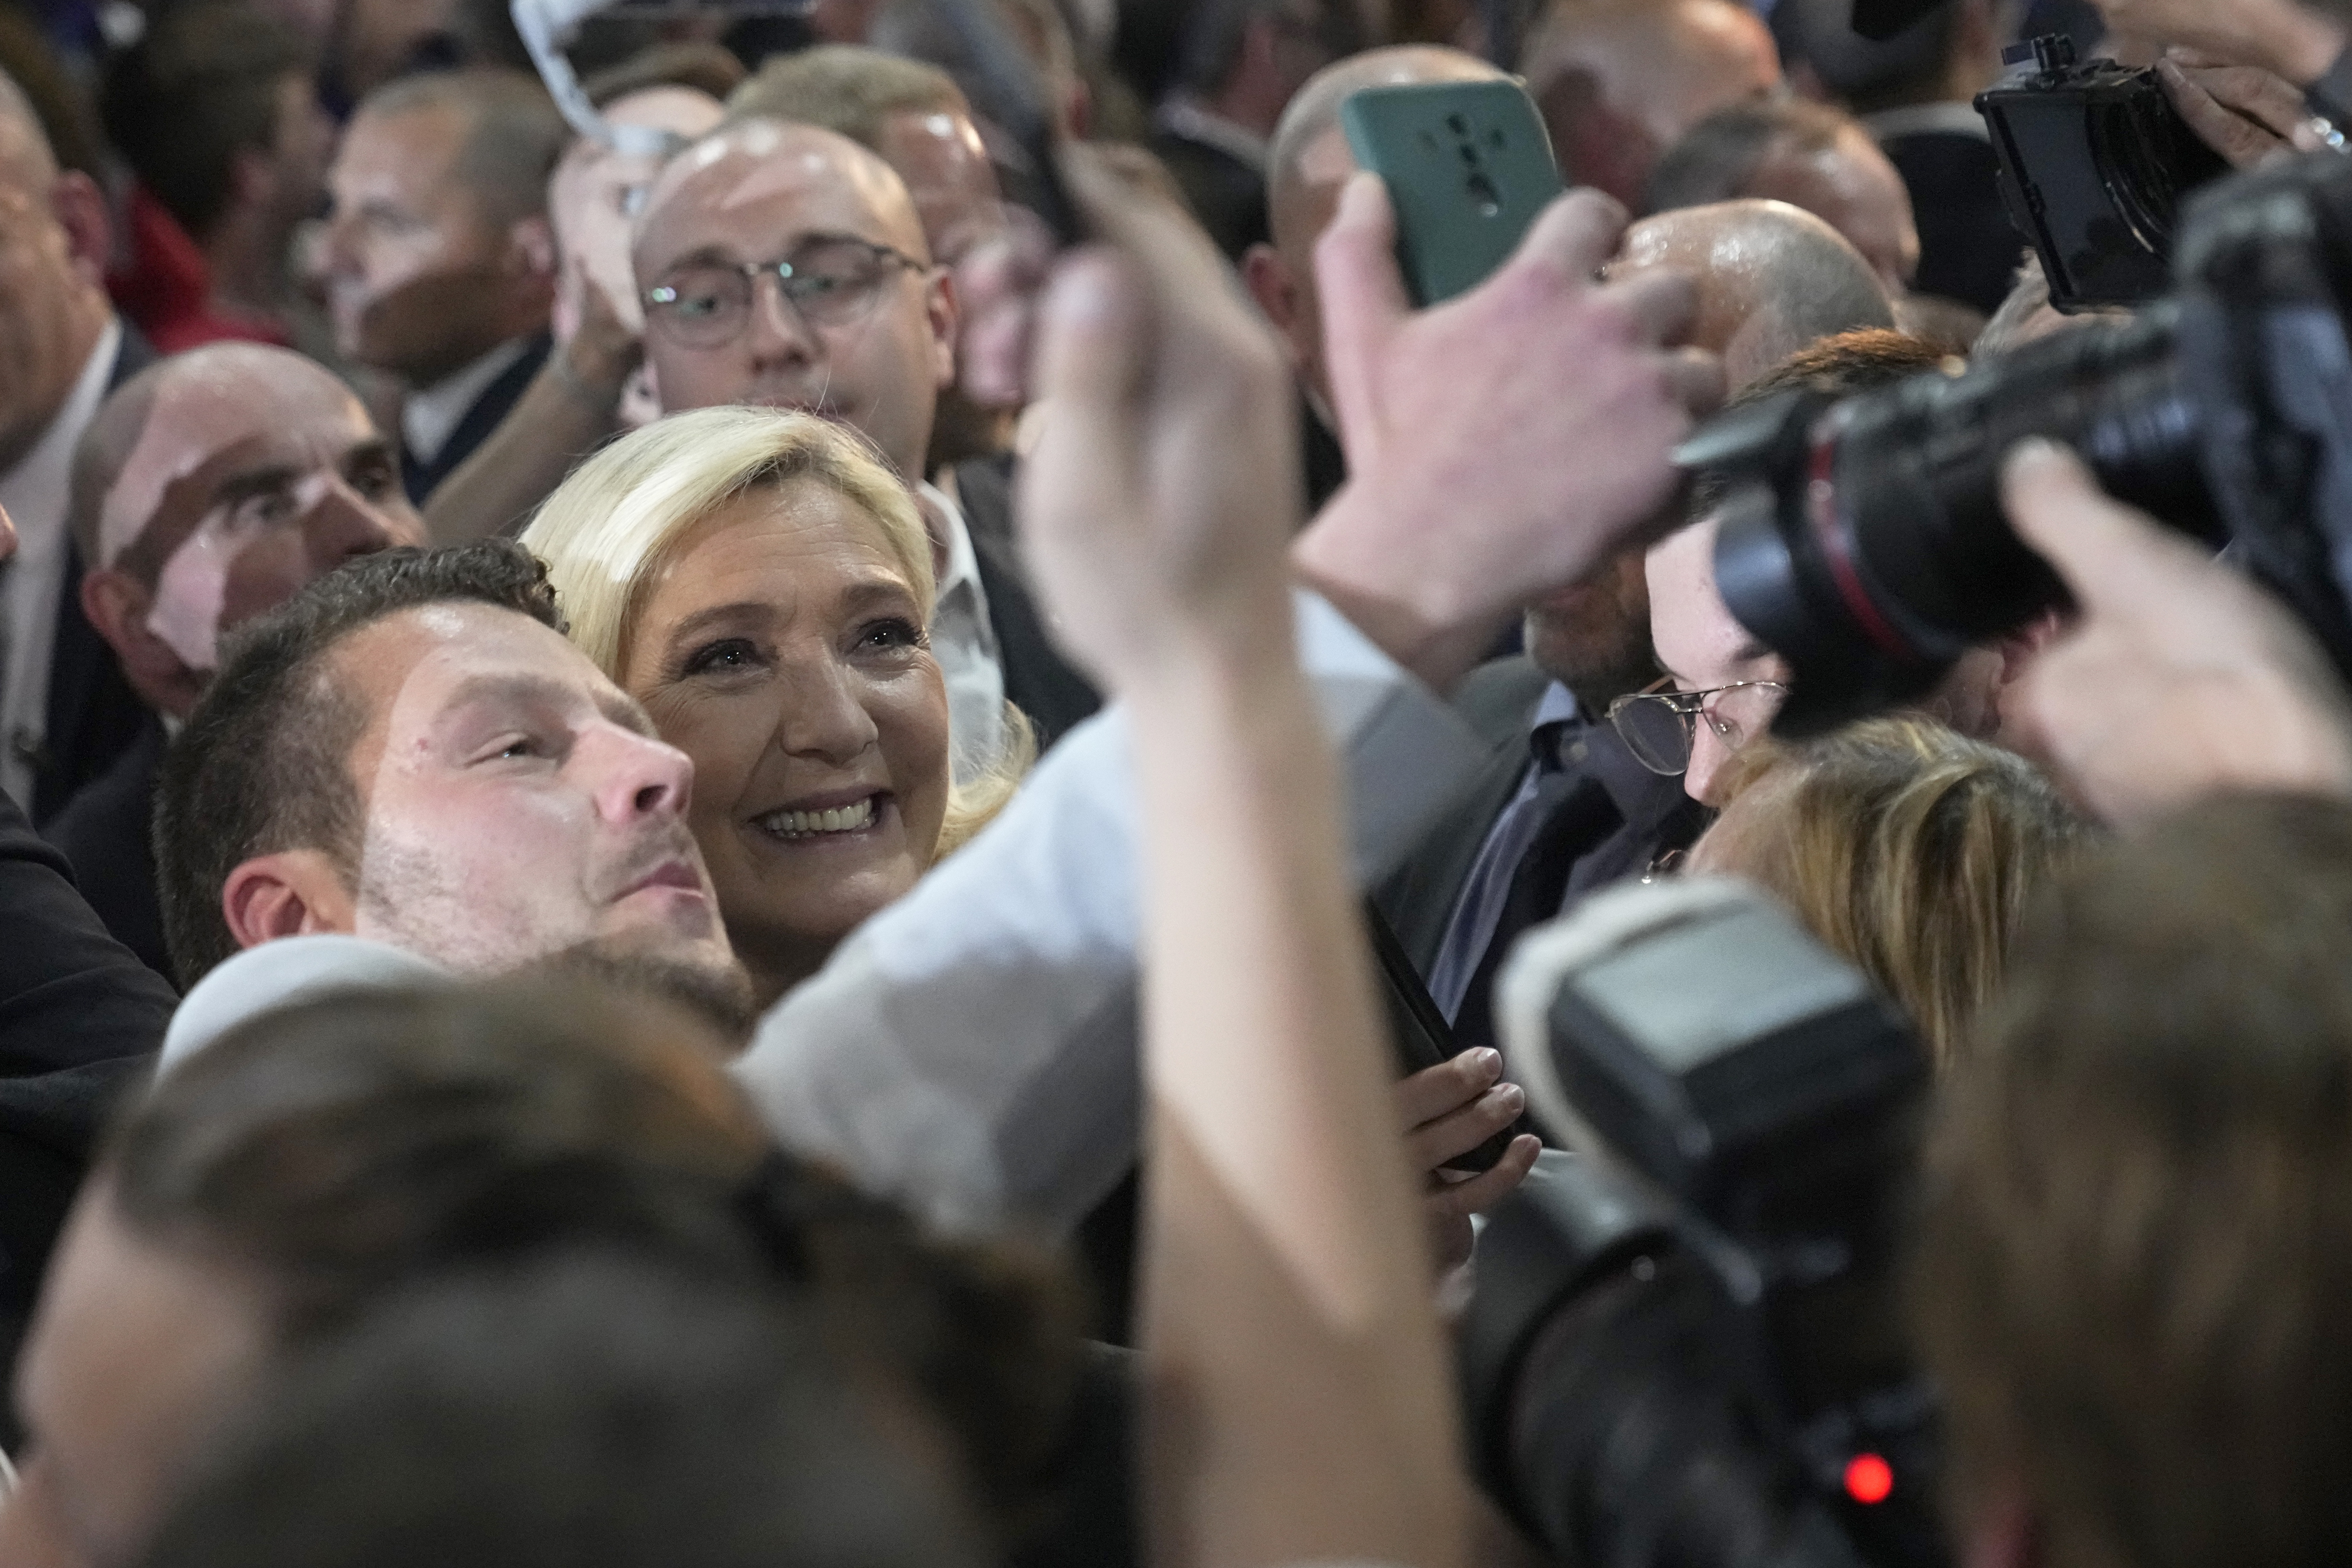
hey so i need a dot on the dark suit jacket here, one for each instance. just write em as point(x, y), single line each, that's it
point(488, 409)
point(1967, 249)
point(93, 715)
point(1497, 701)
point(1417, 898)
point(105, 832)
point(79, 1022)
point(1226, 194)
point(1037, 680)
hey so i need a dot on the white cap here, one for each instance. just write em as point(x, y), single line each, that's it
point(282, 972)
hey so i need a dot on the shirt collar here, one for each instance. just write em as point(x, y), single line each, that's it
point(946, 518)
point(36, 491)
point(431, 414)
point(1593, 747)
point(1194, 122)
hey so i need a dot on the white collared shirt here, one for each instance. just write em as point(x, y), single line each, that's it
point(964, 643)
point(36, 493)
point(431, 414)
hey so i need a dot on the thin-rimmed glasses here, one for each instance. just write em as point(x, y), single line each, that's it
point(832, 281)
point(1659, 725)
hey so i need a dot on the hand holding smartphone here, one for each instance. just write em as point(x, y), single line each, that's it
point(1469, 166)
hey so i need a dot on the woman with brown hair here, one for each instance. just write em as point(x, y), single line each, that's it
point(1904, 846)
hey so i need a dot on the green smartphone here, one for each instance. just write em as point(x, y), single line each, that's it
point(1469, 166)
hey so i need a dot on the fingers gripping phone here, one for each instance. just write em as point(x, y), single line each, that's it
point(1469, 166)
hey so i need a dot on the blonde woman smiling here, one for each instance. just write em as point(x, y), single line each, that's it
point(763, 584)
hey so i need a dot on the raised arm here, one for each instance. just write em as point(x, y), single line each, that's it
point(1298, 1408)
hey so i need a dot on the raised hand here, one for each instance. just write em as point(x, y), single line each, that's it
point(1501, 444)
point(1165, 487)
point(2179, 679)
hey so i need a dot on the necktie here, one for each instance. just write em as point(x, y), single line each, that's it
point(1577, 812)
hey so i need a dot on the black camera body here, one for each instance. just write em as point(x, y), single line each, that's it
point(1863, 539)
point(2094, 161)
point(1683, 1350)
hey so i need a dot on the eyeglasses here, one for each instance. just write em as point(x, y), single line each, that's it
point(1659, 725)
point(830, 282)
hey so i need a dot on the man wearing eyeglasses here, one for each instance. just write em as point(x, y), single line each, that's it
point(1560, 808)
point(785, 266)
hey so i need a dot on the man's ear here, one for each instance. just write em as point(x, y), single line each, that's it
point(252, 179)
point(118, 605)
point(939, 308)
point(1271, 285)
point(531, 243)
point(291, 892)
point(82, 211)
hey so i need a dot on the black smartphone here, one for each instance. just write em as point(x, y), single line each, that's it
point(1469, 166)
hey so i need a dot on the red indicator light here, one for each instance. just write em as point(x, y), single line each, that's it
point(1869, 1478)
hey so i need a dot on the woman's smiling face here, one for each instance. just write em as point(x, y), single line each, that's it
point(782, 648)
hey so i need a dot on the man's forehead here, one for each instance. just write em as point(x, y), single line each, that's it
point(763, 182)
point(210, 425)
point(416, 663)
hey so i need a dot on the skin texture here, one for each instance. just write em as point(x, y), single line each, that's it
point(133, 1352)
point(1621, 81)
point(1698, 643)
point(1531, 517)
point(995, 258)
point(2177, 677)
point(782, 650)
point(1765, 279)
point(588, 202)
point(1592, 637)
point(54, 242)
point(1311, 163)
point(421, 279)
point(517, 804)
point(232, 477)
point(754, 193)
point(1852, 186)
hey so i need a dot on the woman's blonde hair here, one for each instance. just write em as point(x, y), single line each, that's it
point(1913, 851)
point(609, 531)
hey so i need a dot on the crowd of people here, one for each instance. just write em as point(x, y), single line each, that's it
point(711, 853)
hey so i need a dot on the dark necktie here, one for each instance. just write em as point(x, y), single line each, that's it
point(1577, 813)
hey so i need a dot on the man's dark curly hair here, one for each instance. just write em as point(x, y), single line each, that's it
point(263, 763)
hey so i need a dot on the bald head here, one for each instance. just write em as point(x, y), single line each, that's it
point(1307, 163)
point(26, 158)
point(1620, 82)
point(212, 487)
point(1771, 279)
point(762, 191)
point(1310, 159)
point(1807, 154)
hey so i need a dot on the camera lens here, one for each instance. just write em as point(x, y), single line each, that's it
point(1864, 540)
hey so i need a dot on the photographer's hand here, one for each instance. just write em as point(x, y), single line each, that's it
point(1499, 444)
point(2296, 41)
point(2179, 679)
point(2243, 113)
